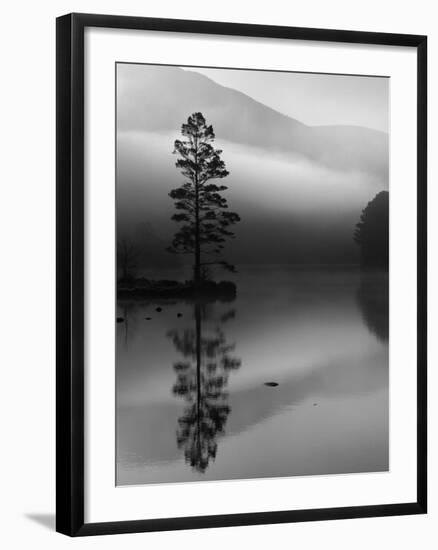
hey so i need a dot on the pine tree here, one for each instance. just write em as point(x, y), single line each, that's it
point(202, 210)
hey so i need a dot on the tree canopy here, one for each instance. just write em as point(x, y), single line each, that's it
point(372, 232)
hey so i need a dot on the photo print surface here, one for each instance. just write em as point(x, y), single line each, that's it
point(252, 274)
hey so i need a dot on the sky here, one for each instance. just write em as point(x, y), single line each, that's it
point(315, 99)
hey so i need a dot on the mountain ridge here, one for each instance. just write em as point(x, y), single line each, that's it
point(149, 104)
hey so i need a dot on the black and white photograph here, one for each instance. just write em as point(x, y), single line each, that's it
point(218, 271)
point(252, 238)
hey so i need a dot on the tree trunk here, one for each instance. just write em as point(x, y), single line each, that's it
point(197, 266)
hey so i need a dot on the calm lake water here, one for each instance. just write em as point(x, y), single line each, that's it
point(192, 399)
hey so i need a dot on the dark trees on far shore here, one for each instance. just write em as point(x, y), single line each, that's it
point(372, 232)
point(128, 254)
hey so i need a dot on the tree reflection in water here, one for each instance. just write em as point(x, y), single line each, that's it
point(373, 301)
point(127, 311)
point(202, 379)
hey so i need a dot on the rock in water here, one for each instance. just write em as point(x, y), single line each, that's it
point(158, 309)
point(271, 384)
point(179, 314)
point(120, 319)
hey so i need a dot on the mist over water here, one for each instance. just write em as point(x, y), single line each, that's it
point(320, 334)
point(276, 195)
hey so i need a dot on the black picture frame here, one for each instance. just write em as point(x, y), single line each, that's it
point(70, 273)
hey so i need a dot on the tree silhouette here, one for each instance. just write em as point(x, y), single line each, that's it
point(372, 232)
point(201, 208)
point(201, 380)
